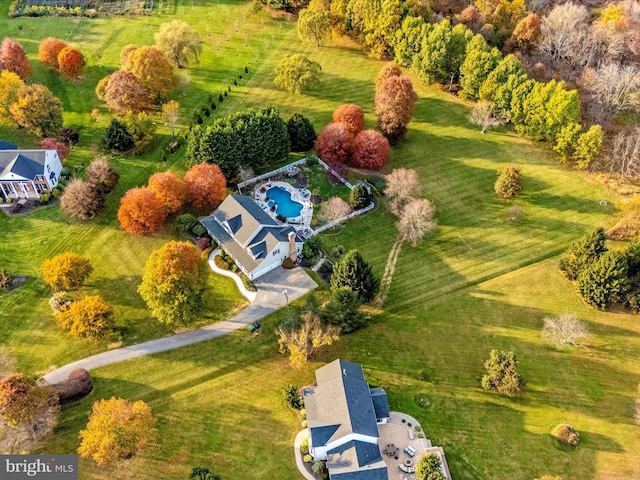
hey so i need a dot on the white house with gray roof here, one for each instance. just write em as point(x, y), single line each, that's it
point(343, 414)
point(255, 241)
point(28, 173)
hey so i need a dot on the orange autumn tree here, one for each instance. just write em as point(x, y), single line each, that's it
point(71, 62)
point(352, 116)
point(117, 429)
point(152, 68)
point(206, 186)
point(171, 191)
point(66, 272)
point(174, 280)
point(49, 49)
point(89, 317)
point(141, 211)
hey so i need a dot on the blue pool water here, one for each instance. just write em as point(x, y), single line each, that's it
point(286, 207)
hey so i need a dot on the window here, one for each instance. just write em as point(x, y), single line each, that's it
point(48, 169)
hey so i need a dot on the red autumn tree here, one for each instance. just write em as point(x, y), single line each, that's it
point(141, 211)
point(49, 49)
point(333, 145)
point(13, 58)
point(71, 62)
point(352, 116)
point(394, 107)
point(370, 150)
point(171, 191)
point(206, 186)
point(50, 143)
point(124, 92)
point(152, 68)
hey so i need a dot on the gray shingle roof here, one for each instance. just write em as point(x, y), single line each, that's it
point(380, 402)
point(25, 163)
point(350, 461)
point(252, 233)
point(341, 397)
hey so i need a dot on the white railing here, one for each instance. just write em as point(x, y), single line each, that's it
point(335, 174)
point(271, 173)
point(346, 217)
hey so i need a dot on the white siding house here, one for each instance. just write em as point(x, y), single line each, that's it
point(28, 173)
point(255, 241)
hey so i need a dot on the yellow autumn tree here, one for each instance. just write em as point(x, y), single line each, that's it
point(303, 341)
point(89, 317)
point(117, 429)
point(66, 272)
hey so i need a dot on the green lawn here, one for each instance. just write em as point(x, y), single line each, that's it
point(479, 282)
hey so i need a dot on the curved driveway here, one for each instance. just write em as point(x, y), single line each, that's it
point(270, 298)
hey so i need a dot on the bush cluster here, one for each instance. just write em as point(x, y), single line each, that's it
point(566, 434)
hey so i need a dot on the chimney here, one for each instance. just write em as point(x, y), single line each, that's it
point(293, 253)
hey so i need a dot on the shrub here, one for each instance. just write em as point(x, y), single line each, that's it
point(203, 243)
point(248, 284)
point(509, 182)
point(221, 263)
point(566, 434)
point(501, 373)
point(198, 230)
point(77, 385)
point(307, 458)
point(304, 446)
point(292, 397)
point(6, 279)
point(303, 413)
point(311, 249)
point(44, 199)
point(303, 424)
point(429, 467)
point(56, 192)
point(288, 263)
point(186, 222)
point(359, 197)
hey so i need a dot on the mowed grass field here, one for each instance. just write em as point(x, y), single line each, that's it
point(479, 282)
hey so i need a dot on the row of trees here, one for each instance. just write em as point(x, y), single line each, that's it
point(251, 139)
point(145, 209)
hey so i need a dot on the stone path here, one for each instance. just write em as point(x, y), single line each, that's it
point(270, 298)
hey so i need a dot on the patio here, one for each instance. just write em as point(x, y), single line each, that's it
point(399, 436)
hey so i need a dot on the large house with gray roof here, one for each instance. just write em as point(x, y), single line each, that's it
point(256, 242)
point(343, 414)
point(27, 173)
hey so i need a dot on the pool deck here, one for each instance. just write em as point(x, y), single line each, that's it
point(301, 195)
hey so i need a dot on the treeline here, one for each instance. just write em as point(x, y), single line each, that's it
point(251, 139)
point(452, 54)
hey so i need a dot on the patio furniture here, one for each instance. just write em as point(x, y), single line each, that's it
point(409, 450)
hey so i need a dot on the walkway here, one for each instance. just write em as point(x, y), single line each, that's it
point(302, 434)
point(270, 298)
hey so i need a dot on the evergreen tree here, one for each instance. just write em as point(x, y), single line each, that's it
point(117, 137)
point(407, 43)
point(359, 197)
point(604, 282)
point(588, 146)
point(582, 253)
point(301, 133)
point(479, 62)
point(566, 141)
point(355, 273)
point(342, 310)
point(497, 88)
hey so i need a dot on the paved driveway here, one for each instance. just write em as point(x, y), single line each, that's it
point(271, 297)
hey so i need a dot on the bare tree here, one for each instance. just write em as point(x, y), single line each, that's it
point(333, 210)
point(301, 342)
point(416, 220)
point(565, 32)
point(81, 200)
point(615, 87)
point(102, 175)
point(483, 114)
point(622, 155)
point(403, 185)
point(245, 174)
point(564, 330)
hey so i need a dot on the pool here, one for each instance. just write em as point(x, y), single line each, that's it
point(285, 206)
